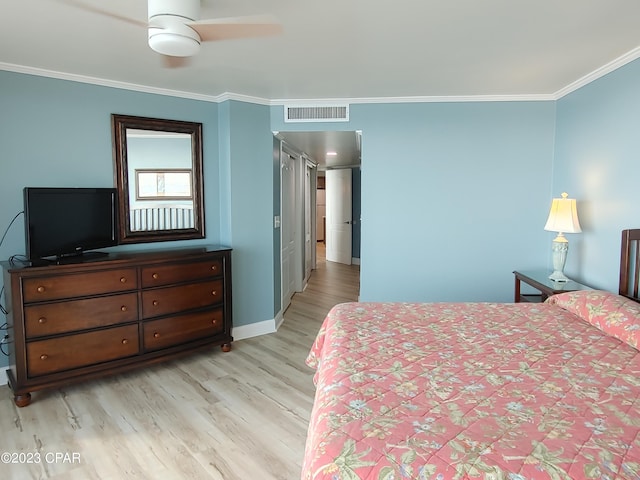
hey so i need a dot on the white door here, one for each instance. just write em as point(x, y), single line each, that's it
point(287, 227)
point(339, 221)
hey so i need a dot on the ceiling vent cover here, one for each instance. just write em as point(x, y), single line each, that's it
point(316, 113)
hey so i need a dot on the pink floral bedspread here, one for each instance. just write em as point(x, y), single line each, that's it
point(471, 391)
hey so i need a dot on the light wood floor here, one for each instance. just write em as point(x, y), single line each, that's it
point(212, 415)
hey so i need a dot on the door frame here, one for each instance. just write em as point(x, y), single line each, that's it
point(310, 200)
point(304, 196)
point(285, 222)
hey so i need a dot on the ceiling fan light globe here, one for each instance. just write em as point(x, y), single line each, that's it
point(174, 45)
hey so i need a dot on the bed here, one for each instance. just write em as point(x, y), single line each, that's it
point(480, 390)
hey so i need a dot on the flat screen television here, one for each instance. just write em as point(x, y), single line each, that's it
point(67, 222)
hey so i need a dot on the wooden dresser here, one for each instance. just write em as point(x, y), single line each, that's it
point(70, 322)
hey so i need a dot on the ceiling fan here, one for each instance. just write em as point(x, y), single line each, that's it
point(176, 31)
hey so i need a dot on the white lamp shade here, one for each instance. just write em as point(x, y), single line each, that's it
point(563, 216)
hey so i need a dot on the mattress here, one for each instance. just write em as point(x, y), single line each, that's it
point(477, 390)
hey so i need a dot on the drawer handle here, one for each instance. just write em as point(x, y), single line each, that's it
point(214, 321)
point(41, 289)
point(155, 276)
point(125, 341)
point(156, 335)
point(123, 280)
point(155, 303)
point(123, 308)
point(214, 267)
point(42, 320)
point(214, 293)
point(44, 357)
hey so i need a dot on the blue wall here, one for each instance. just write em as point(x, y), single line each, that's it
point(597, 161)
point(454, 196)
point(247, 162)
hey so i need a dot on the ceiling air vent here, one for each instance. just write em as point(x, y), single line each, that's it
point(316, 113)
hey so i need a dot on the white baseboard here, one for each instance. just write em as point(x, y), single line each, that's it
point(279, 319)
point(254, 329)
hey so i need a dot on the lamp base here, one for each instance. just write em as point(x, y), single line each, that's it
point(559, 249)
point(557, 276)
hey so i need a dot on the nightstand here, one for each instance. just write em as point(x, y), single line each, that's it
point(539, 280)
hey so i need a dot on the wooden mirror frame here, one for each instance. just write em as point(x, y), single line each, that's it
point(120, 124)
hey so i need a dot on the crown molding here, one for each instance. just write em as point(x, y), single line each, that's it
point(418, 99)
point(226, 96)
point(242, 98)
point(41, 72)
point(599, 73)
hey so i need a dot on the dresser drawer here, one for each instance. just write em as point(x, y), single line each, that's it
point(78, 284)
point(80, 350)
point(176, 273)
point(76, 321)
point(168, 300)
point(50, 318)
point(182, 328)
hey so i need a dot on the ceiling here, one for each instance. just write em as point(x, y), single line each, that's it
point(329, 49)
point(361, 51)
point(317, 145)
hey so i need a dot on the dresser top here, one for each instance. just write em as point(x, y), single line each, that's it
point(115, 258)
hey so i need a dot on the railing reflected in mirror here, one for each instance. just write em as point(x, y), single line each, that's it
point(158, 170)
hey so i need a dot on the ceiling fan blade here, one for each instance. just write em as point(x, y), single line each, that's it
point(236, 27)
point(107, 13)
point(174, 62)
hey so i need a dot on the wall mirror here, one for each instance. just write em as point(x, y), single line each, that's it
point(158, 174)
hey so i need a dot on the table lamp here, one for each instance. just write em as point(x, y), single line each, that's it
point(563, 218)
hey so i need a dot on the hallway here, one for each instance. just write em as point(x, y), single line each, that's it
point(330, 283)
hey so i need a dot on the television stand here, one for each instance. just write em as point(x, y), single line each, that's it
point(79, 321)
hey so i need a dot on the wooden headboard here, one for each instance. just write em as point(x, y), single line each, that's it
point(629, 264)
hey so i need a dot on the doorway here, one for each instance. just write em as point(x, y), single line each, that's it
point(339, 216)
point(307, 159)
